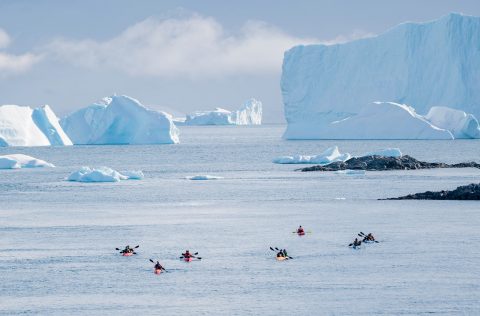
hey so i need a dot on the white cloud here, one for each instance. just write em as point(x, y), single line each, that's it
point(196, 47)
point(10, 63)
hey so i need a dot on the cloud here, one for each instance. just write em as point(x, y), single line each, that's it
point(195, 46)
point(10, 63)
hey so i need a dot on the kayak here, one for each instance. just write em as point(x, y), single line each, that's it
point(188, 259)
point(281, 258)
point(301, 233)
point(127, 254)
point(158, 271)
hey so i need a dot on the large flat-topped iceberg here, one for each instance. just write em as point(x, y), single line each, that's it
point(24, 126)
point(419, 64)
point(120, 120)
point(249, 114)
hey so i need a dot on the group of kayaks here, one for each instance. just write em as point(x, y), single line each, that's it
point(281, 254)
point(158, 268)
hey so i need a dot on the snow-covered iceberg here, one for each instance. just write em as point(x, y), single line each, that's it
point(330, 155)
point(17, 161)
point(249, 114)
point(120, 120)
point(24, 126)
point(103, 174)
point(459, 123)
point(419, 64)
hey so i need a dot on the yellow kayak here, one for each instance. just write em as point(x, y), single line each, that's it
point(281, 258)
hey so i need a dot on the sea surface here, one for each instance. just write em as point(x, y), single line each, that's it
point(58, 238)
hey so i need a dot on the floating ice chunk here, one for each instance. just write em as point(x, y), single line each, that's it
point(330, 155)
point(387, 152)
point(103, 174)
point(351, 172)
point(17, 161)
point(204, 177)
point(134, 174)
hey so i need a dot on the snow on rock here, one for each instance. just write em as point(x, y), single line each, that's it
point(249, 114)
point(420, 64)
point(204, 177)
point(17, 161)
point(103, 174)
point(387, 152)
point(120, 120)
point(330, 155)
point(24, 126)
point(461, 124)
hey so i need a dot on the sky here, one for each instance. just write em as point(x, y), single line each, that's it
point(178, 56)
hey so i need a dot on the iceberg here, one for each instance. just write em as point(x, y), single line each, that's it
point(330, 155)
point(249, 114)
point(103, 174)
point(459, 123)
point(387, 152)
point(204, 177)
point(120, 120)
point(419, 64)
point(24, 126)
point(17, 161)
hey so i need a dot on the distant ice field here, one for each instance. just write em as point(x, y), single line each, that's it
point(58, 237)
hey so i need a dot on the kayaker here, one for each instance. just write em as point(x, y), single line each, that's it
point(369, 237)
point(356, 243)
point(127, 250)
point(285, 254)
point(158, 266)
point(187, 254)
point(280, 254)
point(300, 230)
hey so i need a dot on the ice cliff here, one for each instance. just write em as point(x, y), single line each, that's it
point(419, 64)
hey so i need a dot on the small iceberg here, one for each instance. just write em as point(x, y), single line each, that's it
point(387, 152)
point(18, 161)
point(351, 172)
point(103, 174)
point(204, 177)
point(330, 155)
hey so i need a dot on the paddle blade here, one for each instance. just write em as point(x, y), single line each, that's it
point(136, 246)
point(272, 249)
point(117, 249)
point(152, 261)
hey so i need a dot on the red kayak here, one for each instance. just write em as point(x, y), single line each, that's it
point(188, 259)
point(127, 254)
point(301, 233)
point(158, 271)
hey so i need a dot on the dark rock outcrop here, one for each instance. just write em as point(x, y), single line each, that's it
point(466, 192)
point(381, 163)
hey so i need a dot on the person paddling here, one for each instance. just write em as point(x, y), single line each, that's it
point(369, 237)
point(187, 255)
point(300, 230)
point(356, 243)
point(158, 266)
point(127, 250)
